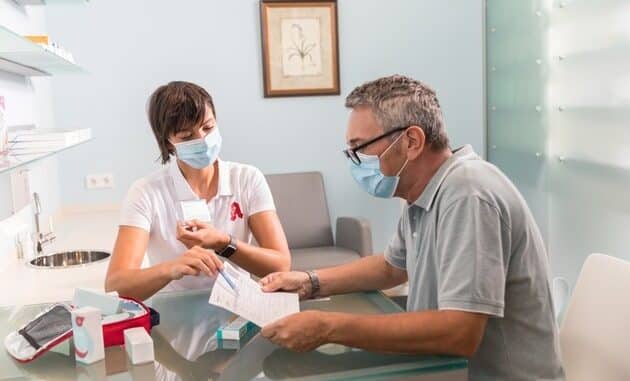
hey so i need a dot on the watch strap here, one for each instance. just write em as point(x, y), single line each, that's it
point(315, 286)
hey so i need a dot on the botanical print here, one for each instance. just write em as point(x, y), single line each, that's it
point(301, 48)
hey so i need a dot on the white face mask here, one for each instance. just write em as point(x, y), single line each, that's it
point(202, 152)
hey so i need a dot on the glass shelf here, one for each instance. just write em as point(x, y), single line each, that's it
point(48, 2)
point(21, 56)
point(13, 161)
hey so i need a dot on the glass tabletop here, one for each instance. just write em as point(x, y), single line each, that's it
point(186, 348)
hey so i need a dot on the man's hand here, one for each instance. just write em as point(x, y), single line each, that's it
point(290, 281)
point(300, 332)
point(198, 233)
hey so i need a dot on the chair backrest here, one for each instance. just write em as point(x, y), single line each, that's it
point(301, 205)
point(561, 292)
point(595, 337)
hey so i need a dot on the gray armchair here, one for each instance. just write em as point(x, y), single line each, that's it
point(301, 205)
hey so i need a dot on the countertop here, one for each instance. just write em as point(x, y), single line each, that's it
point(186, 348)
point(75, 230)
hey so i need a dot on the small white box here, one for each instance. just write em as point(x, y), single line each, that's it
point(87, 331)
point(108, 304)
point(139, 345)
point(195, 210)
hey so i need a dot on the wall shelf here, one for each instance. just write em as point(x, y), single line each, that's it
point(13, 161)
point(21, 56)
point(48, 2)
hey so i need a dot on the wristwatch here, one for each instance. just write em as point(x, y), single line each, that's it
point(230, 249)
point(314, 279)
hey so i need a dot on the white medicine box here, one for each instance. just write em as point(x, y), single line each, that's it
point(139, 345)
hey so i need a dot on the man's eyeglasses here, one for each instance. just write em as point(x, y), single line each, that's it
point(351, 153)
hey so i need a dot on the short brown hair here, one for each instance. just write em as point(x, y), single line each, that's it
point(399, 101)
point(174, 107)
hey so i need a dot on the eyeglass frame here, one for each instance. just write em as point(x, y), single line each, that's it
point(351, 153)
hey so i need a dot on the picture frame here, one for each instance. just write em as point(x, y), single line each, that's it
point(300, 47)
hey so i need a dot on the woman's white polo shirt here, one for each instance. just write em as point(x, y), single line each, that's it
point(152, 204)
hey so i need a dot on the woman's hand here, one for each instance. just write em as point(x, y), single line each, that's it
point(194, 261)
point(198, 233)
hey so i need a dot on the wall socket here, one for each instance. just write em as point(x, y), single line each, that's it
point(99, 180)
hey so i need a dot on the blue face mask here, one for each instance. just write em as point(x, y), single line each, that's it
point(200, 153)
point(369, 176)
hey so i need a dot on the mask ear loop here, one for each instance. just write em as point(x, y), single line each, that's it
point(174, 149)
point(390, 146)
point(402, 168)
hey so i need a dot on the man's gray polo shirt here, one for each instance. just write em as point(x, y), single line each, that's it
point(470, 243)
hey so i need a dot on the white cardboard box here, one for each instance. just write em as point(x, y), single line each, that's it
point(87, 332)
point(139, 345)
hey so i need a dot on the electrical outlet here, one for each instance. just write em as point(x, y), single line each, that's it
point(99, 180)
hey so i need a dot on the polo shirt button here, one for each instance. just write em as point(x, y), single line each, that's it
point(414, 234)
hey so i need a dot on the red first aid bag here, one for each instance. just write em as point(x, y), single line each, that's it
point(54, 326)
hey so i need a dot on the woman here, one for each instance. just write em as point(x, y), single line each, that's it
point(185, 254)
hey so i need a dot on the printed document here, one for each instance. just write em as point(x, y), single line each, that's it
point(249, 301)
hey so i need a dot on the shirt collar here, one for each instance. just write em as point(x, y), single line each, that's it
point(225, 185)
point(426, 199)
point(185, 192)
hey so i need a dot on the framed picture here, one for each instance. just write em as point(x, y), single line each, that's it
point(300, 47)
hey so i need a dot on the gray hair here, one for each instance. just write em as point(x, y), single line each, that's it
point(399, 101)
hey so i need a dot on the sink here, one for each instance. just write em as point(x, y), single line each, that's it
point(69, 259)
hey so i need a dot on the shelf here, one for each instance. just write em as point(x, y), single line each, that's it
point(30, 2)
point(48, 2)
point(13, 161)
point(21, 56)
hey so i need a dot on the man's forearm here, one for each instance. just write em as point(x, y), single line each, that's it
point(429, 332)
point(368, 273)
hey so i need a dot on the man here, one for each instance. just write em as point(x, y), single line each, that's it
point(466, 242)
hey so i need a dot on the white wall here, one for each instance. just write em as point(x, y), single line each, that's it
point(131, 47)
point(28, 101)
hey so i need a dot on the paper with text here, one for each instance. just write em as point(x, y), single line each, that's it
point(249, 301)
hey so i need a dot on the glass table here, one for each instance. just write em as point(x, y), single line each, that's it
point(186, 348)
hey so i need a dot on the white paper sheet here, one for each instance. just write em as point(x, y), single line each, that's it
point(249, 301)
point(195, 210)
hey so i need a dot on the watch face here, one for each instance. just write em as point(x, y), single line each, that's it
point(228, 251)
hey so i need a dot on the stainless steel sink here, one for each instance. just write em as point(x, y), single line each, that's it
point(69, 259)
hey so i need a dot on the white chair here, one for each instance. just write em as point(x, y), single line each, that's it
point(561, 292)
point(595, 333)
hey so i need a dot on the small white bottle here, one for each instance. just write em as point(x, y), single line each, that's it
point(26, 244)
point(87, 331)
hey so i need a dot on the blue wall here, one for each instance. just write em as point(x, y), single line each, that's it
point(131, 47)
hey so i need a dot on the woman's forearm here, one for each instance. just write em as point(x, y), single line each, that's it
point(259, 260)
point(138, 283)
